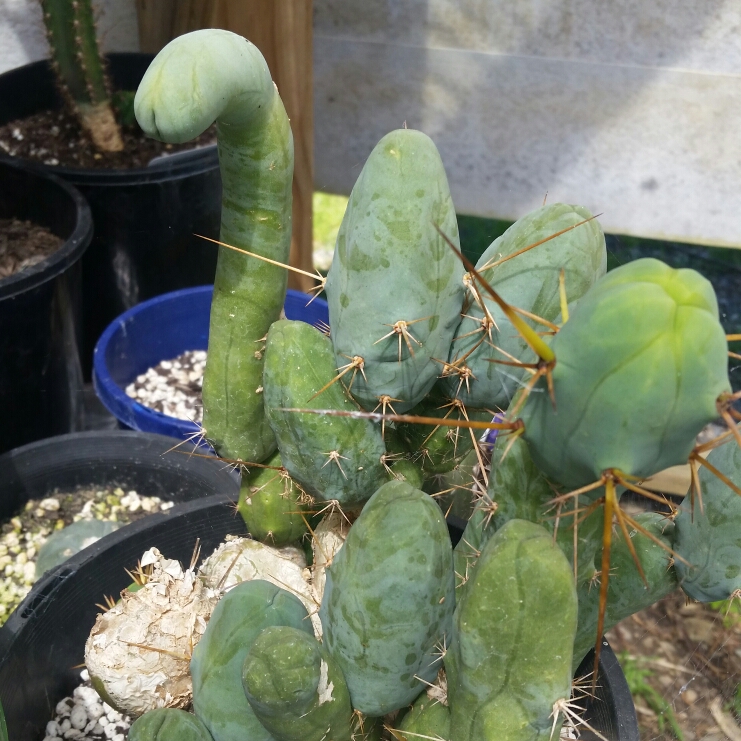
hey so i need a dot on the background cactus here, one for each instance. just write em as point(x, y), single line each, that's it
point(618, 390)
point(80, 70)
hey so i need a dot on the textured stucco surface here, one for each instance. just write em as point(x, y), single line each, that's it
point(630, 108)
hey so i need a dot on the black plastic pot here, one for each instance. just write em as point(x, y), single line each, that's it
point(145, 219)
point(43, 641)
point(40, 311)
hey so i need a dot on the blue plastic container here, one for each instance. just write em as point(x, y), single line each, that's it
point(160, 329)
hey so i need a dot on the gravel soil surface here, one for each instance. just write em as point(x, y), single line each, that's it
point(22, 536)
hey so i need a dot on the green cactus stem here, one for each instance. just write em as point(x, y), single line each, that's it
point(80, 70)
point(530, 280)
point(389, 242)
point(271, 504)
point(707, 537)
point(199, 78)
point(216, 667)
point(509, 660)
point(389, 599)
point(295, 687)
point(330, 457)
point(645, 333)
point(168, 724)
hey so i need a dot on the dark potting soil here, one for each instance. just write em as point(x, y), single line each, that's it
point(23, 244)
point(55, 138)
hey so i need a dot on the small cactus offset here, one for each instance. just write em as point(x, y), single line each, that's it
point(596, 381)
point(80, 70)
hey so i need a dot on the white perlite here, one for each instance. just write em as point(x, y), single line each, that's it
point(173, 387)
point(85, 717)
point(140, 649)
point(243, 559)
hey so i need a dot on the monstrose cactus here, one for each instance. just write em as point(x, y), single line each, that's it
point(347, 434)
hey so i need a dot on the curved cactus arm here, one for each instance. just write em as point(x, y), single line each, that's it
point(199, 78)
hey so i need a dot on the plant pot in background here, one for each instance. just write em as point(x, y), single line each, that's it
point(160, 329)
point(145, 219)
point(40, 311)
point(44, 639)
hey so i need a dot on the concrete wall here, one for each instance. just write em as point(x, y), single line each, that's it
point(630, 108)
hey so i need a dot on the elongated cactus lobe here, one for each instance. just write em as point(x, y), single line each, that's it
point(639, 368)
point(513, 635)
point(389, 598)
point(295, 687)
point(168, 724)
point(199, 78)
point(388, 242)
point(76, 59)
point(238, 619)
point(330, 457)
point(709, 538)
point(530, 281)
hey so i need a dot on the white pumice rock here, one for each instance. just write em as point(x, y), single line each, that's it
point(140, 650)
point(242, 559)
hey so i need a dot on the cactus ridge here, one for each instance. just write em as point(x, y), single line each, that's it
point(485, 334)
point(332, 458)
point(707, 537)
point(388, 238)
point(388, 601)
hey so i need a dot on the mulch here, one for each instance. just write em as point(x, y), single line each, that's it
point(683, 662)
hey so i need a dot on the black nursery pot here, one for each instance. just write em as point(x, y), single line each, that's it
point(40, 311)
point(44, 639)
point(145, 219)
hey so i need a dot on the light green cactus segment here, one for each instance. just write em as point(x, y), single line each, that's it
point(505, 718)
point(529, 281)
point(270, 505)
point(439, 450)
point(409, 471)
point(521, 491)
point(639, 367)
point(513, 633)
point(63, 544)
point(518, 490)
point(710, 537)
point(330, 457)
point(388, 243)
point(428, 719)
point(216, 667)
point(214, 75)
point(168, 724)
point(389, 599)
point(627, 593)
point(295, 688)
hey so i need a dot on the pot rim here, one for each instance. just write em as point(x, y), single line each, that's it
point(72, 249)
point(180, 165)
